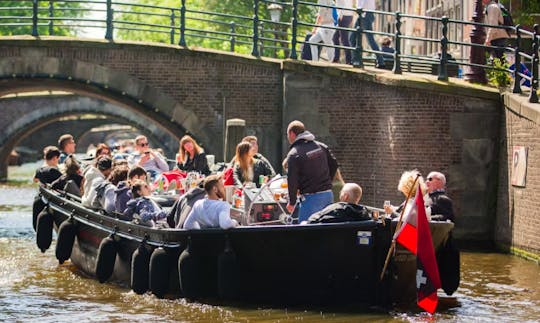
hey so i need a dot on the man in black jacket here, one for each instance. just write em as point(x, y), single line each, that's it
point(439, 202)
point(311, 168)
point(347, 209)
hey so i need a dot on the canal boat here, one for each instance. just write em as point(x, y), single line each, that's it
point(281, 264)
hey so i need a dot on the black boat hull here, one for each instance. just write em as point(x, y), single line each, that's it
point(319, 264)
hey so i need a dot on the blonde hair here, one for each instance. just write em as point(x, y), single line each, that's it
point(242, 157)
point(408, 184)
point(182, 152)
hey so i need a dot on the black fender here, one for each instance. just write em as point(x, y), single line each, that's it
point(140, 262)
point(44, 229)
point(159, 272)
point(64, 242)
point(188, 276)
point(37, 207)
point(448, 260)
point(106, 258)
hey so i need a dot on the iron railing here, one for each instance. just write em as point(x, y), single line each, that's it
point(255, 33)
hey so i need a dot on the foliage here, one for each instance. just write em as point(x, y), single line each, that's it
point(524, 14)
point(208, 23)
point(499, 76)
point(21, 13)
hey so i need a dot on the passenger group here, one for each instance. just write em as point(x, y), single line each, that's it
point(118, 182)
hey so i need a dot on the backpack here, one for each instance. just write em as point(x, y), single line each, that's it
point(507, 19)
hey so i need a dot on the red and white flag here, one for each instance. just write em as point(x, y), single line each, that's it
point(415, 235)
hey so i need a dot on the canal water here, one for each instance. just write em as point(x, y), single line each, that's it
point(33, 287)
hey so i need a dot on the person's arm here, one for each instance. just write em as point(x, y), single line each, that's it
point(225, 221)
point(237, 175)
point(191, 221)
point(292, 178)
point(110, 199)
point(160, 162)
point(332, 161)
point(442, 210)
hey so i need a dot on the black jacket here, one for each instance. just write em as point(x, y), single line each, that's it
point(260, 167)
point(441, 206)
point(197, 164)
point(311, 166)
point(182, 207)
point(340, 212)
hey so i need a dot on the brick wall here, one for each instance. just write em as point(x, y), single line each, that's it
point(518, 211)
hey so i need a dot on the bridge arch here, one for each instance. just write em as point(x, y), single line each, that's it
point(39, 111)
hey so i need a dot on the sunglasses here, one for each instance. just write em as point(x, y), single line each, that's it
point(144, 144)
point(429, 179)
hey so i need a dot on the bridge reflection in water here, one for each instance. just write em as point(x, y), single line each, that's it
point(34, 287)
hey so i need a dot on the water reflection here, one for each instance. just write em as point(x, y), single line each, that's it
point(33, 286)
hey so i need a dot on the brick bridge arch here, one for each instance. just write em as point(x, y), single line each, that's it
point(26, 115)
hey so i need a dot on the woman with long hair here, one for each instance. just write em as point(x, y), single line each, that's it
point(191, 157)
point(248, 169)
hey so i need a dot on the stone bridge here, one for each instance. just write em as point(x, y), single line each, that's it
point(377, 123)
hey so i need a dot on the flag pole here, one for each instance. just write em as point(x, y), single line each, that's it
point(398, 226)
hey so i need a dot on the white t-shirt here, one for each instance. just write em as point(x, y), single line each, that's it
point(210, 214)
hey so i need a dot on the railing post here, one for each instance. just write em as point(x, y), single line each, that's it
point(255, 49)
point(51, 15)
point(261, 35)
point(35, 18)
point(233, 32)
point(182, 24)
point(294, 23)
point(533, 98)
point(173, 17)
point(517, 62)
point(397, 51)
point(443, 64)
point(357, 53)
point(109, 21)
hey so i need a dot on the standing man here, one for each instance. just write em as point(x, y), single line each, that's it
point(311, 168)
point(495, 36)
point(440, 203)
point(67, 145)
point(367, 25)
point(345, 18)
point(149, 159)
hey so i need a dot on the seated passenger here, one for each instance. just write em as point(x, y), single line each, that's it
point(247, 168)
point(191, 157)
point(347, 209)
point(437, 201)
point(73, 173)
point(253, 141)
point(152, 161)
point(95, 174)
point(141, 207)
point(49, 172)
point(212, 211)
point(182, 207)
point(105, 197)
point(407, 184)
point(123, 189)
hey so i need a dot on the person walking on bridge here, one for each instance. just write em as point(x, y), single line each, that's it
point(311, 168)
point(367, 25)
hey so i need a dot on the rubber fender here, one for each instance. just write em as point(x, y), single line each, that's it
point(448, 260)
point(188, 274)
point(228, 282)
point(65, 240)
point(37, 207)
point(105, 259)
point(159, 272)
point(44, 229)
point(140, 262)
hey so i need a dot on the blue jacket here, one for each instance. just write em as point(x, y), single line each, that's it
point(146, 209)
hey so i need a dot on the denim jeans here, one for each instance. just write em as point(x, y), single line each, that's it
point(312, 203)
point(367, 24)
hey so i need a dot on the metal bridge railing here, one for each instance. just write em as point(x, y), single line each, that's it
point(254, 32)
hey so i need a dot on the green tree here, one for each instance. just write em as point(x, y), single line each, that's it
point(208, 23)
point(17, 17)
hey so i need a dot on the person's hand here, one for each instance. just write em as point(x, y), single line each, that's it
point(290, 207)
point(145, 157)
point(388, 209)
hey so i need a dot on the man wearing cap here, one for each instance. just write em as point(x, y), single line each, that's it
point(311, 168)
point(212, 211)
point(93, 176)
